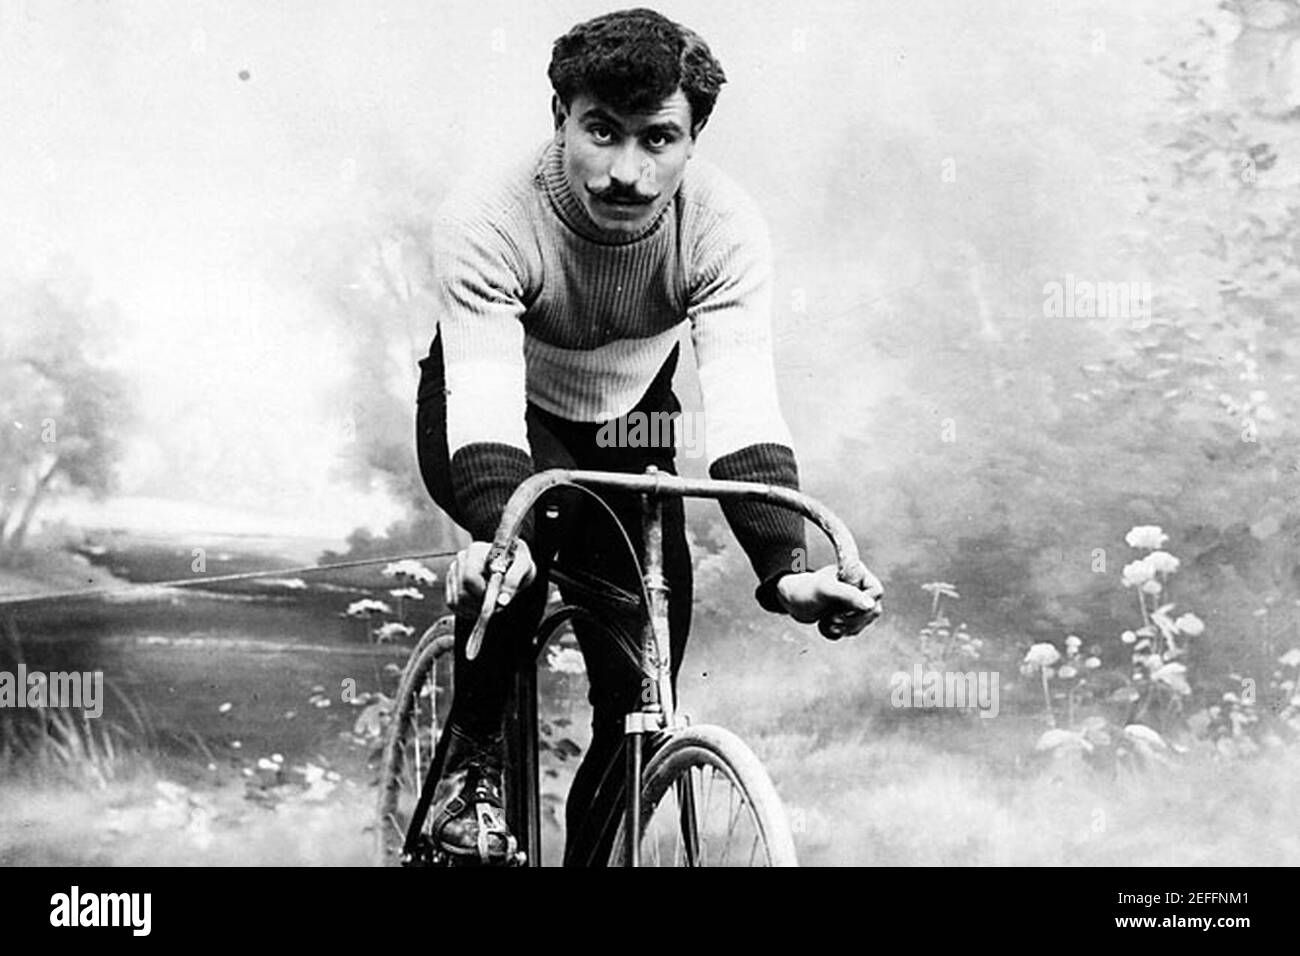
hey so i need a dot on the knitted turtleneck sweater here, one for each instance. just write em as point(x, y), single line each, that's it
point(535, 302)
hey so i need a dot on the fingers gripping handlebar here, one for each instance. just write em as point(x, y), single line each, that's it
point(851, 569)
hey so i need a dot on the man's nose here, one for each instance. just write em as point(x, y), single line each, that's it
point(627, 167)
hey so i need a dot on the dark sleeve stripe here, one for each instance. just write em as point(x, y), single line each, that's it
point(484, 476)
point(770, 536)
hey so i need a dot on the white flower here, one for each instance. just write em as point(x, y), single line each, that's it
point(1190, 624)
point(1072, 643)
point(1173, 675)
point(1152, 587)
point(1128, 637)
point(409, 568)
point(1137, 573)
point(411, 594)
point(1147, 536)
point(366, 607)
point(1068, 671)
point(1162, 561)
point(1291, 658)
point(942, 588)
point(1092, 663)
point(1042, 655)
point(393, 630)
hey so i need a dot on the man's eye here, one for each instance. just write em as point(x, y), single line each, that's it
point(658, 140)
point(601, 134)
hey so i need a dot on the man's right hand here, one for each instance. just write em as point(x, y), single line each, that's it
point(468, 572)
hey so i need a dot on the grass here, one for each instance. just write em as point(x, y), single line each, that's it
point(57, 745)
point(149, 821)
point(901, 800)
point(864, 783)
point(868, 784)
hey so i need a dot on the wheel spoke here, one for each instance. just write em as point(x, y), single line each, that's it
point(708, 828)
point(417, 748)
point(732, 819)
point(409, 752)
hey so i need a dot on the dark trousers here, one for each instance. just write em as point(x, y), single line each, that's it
point(580, 536)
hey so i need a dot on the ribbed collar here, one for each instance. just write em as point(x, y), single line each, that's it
point(570, 209)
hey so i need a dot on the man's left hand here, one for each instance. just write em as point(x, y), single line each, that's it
point(840, 609)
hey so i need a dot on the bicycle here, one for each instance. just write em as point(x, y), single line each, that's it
point(665, 754)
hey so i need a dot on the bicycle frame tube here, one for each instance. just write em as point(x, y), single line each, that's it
point(523, 799)
point(657, 651)
point(657, 705)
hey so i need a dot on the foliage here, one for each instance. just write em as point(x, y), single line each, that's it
point(65, 746)
point(1136, 711)
point(943, 647)
point(1015, 440)
point(63, 414)
point(1124, 712)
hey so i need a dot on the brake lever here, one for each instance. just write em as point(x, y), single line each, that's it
point(484, 616)
point(498, 563)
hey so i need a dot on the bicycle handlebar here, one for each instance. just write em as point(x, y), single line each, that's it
point(851, 569)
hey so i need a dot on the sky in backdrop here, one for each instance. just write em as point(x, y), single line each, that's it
point(186, 155)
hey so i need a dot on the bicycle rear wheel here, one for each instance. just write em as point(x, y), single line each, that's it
point(707, 801)
point(419, 712)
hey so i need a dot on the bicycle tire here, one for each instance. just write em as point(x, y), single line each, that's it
point(707, 746)
point(394, 784)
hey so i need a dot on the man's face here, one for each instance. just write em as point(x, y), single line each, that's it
point(624, 167)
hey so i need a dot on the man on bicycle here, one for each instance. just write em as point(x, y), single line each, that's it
point(562, 290)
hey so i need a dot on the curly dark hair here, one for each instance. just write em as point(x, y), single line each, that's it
point(633, 60)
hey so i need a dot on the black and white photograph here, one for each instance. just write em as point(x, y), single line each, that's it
point(504, 434)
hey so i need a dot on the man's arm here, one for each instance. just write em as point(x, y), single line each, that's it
point(478, 301)
point(745, 433)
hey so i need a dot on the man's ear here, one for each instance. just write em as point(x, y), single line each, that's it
point(559, 113)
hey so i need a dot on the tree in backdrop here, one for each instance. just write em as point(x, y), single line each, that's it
point(370, 274)
point(64, 414)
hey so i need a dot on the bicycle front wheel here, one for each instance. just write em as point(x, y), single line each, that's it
point(707, 801)
point(419, 711)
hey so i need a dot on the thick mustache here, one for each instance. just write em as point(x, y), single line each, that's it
point(623, 195)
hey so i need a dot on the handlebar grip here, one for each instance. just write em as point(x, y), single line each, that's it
point(834, 626)
point(853, 572)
